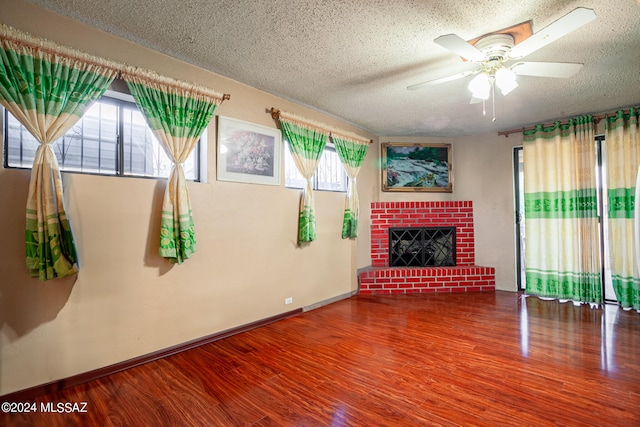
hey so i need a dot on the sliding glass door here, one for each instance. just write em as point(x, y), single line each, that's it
point(603, 206)
point(520, 237)
point(518, 186)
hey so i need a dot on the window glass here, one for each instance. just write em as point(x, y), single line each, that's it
point(329, 176)
point(292, 177)
point(89, 146)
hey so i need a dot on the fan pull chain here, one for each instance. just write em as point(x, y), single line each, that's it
point(493, 101)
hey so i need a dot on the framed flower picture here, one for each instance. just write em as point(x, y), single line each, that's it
point(247, 152)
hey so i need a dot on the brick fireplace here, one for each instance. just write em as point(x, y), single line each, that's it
point(465, 276)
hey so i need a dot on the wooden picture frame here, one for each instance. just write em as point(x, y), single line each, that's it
point(248, 152)
point(416, 167)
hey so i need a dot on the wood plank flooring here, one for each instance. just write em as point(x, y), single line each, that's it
point(476, 359)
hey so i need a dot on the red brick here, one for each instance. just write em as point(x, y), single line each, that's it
point(446, 213)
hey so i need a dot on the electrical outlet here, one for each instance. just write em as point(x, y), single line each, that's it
point(288, 300)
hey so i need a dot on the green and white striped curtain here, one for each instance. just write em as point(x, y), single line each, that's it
point(177, 113)
point(622, 142)
point(562, 239)
point(352, 152)
point(48, 88)
point(306, 143)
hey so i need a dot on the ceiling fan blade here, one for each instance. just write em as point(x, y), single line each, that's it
point(459, 46)
point(441, 80)
point(563, 26)
point(561, 70)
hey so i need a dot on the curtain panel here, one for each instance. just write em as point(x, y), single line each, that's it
point(562, 238)
point(622, 150)
point(306, 143)
point(177, 113)
point(48, 88)
point(351, 152)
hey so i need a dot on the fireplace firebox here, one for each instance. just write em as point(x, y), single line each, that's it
point(422, 246)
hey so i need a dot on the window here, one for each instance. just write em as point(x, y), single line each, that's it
point(329, 176)
point(111, 138)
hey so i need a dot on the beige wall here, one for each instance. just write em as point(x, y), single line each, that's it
point(127, 301)
point(484, 174)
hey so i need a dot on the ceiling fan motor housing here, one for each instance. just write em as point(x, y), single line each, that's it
point(496, 46)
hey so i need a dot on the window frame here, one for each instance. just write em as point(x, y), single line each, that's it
point(122, 101)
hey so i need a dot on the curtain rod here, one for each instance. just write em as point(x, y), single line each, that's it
point(276, 113)
point(23, 38)
point(140, 74)
point(20, 37)
point(596, 119)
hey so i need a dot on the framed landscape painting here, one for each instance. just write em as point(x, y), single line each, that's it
point(416, 167)
point(248, 152)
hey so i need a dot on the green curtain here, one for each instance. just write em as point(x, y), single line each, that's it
point(561, 219)
point(47, 88)
point(177, 113)
point(622, 151)
point(306, 144)
point(352, 152)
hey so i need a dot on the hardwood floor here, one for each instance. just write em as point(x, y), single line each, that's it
point(477, 359)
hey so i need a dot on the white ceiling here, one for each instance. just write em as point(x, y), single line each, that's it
point(353, 59)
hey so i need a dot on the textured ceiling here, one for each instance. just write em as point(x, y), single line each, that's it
point(353, 59)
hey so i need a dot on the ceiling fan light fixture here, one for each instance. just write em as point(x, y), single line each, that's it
point(480, 86)
point(506, 80)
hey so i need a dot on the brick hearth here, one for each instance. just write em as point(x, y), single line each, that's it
point(464, 277)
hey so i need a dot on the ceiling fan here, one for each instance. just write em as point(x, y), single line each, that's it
point(490, 57)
